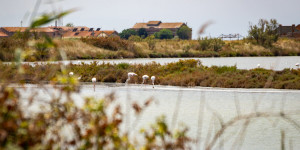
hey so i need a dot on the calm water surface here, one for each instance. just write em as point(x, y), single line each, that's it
point(198, 107)
point(276, 63)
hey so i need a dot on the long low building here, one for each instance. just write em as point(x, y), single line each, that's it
point(75, 33)
point(155, 26)
point(10, 31)
point(59, 32)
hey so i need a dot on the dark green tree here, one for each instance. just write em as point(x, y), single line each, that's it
point(164, 34)
point(69, 25)
point(184, 32)
point(125, 34)
point(142, 33)
point(265, 33)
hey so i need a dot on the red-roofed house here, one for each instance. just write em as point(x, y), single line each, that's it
point(90, 33)
point(155, 26)
point(3, 35)
point(107, 33)
point(10, 31)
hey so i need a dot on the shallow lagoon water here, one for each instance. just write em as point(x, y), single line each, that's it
point(196, 107)
point(275, 63)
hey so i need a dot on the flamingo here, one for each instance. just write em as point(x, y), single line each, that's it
point(94, 82)
point(130, 74)
point(153, 79)
point(297, 65)
point(145, 77)
point(71, 74)
point(258, 65)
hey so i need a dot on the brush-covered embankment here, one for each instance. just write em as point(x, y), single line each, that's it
point(116, 48)
point(182, 73)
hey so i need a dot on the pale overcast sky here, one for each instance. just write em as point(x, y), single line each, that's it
point(229, 16)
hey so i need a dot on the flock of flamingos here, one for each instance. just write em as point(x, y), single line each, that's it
point(130, 75)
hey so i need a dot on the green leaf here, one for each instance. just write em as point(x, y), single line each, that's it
point(47, 18)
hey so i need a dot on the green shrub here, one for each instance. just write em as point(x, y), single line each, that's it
point(164, 34)
point(142, 33)
point(265, 33)
point(151, 42)
point(214, 44)
point(123, 65)
point(135, 38)
point(125, 34)
point(184, 32)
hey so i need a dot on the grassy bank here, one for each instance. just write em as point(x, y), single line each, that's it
point(113, 48)
point(182, 73)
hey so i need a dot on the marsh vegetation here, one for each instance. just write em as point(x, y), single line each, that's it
point(183, 73)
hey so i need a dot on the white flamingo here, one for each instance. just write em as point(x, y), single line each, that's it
point(71, 74)
point(153, 79)
point(258, 65)
point(130, 74)
point(94, 82)
point(297, 65)
point(145, 77)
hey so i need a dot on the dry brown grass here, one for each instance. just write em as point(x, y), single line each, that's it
point(76, 49)
point(288, 46)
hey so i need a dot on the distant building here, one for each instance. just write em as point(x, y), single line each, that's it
point(108, 33)
point(59, 31)
point(289, 31)
point(10, 31)
point(3, 35)
point(155, 26)
point(75, 33)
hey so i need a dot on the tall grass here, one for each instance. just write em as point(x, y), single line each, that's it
point(113, 48)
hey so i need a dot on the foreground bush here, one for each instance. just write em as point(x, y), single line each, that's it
point(60, 123)
point(89, 126)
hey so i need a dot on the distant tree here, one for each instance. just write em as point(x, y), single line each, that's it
point(214, 44)
point(156, 35)
point(164, 34)
point(69, 25)
point(125, 34)
point(142, 33)
point(265, 33)
point(184, 32)
point(135, 38)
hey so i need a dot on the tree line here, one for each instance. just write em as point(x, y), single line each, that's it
point(183, 32)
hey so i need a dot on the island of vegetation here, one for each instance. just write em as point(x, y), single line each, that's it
point(186, 73)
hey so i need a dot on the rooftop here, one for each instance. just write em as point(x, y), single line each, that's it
point(78, 33)
point(2, 34)
point(158, 24)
